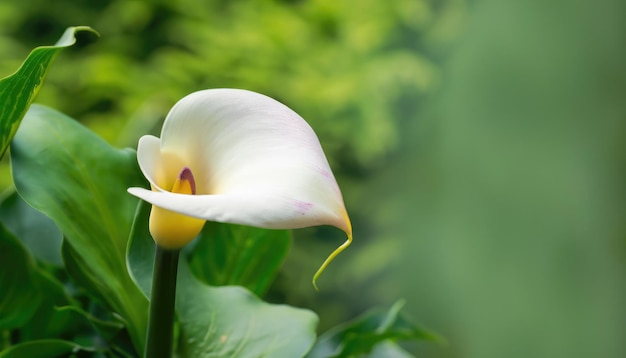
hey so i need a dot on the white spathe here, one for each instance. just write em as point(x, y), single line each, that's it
point(255, 162)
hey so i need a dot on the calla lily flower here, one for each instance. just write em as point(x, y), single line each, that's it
point(236, 156)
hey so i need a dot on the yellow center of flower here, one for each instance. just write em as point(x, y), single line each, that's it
point(172, 230)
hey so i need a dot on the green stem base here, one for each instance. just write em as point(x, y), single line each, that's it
point(159, 343)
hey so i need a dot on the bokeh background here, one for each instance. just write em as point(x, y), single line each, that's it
point(480, 145)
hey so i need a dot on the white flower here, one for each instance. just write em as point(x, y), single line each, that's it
point(253, 161)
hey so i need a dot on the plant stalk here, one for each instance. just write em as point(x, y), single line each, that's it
point(159, 343)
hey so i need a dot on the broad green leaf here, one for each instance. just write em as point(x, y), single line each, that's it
point(45, 348)
point(141, 249)
point(81, 273)
point(34, 229)
point(53, 295)
point(70, 322)
point(31, 296)
point(389, 349)
point(239, 255)
point(107, 330)
point(85, 278)
point(75, 324)
point(365, 333)
point(223, 255)
point(67, 172)
point(18, 90)
point(19, 282)
point(230, 321)
point(223, 321)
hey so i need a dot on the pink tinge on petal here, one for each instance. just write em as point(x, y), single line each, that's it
point(302, 207)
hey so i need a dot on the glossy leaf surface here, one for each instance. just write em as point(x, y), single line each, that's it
point(20, 296)
point(18, 90)
point(36, 231)
point(35, 304)
point(223, 321)
point(375, 331)
point(230, 321)
point(239, 255)
point(45, 348)
point(67, 172)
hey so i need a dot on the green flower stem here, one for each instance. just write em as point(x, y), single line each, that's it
point(159, 342)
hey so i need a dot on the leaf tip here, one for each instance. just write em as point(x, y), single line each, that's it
point(69, 36)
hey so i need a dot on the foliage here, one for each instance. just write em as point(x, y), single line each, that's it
point(88, 203)
point(346, 71)
point(27, 81)
point(494, 204)
point(64, 171)
point(239, 255)
point(369, 332)
point(224, 321)
point(357, 71)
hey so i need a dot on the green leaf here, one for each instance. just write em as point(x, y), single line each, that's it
point(53, 295)
point(18, 90)
point(34, 229)
point(67, 172)
point(389, 349)
point(223, 321)
point(30, 296)
point(224, 254)
point(239, 255)
point(106, 329)
point(141, 249)
point(45, 348)
point(21, 296)
point(367, 332)
point(67, 322)
point(230, 321)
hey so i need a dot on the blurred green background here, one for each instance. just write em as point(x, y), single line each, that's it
point(479, 145)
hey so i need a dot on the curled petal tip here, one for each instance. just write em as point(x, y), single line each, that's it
point(330, 258)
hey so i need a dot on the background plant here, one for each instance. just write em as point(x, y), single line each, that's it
point(496, 210)
point(357, 76)
point(64, 172)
